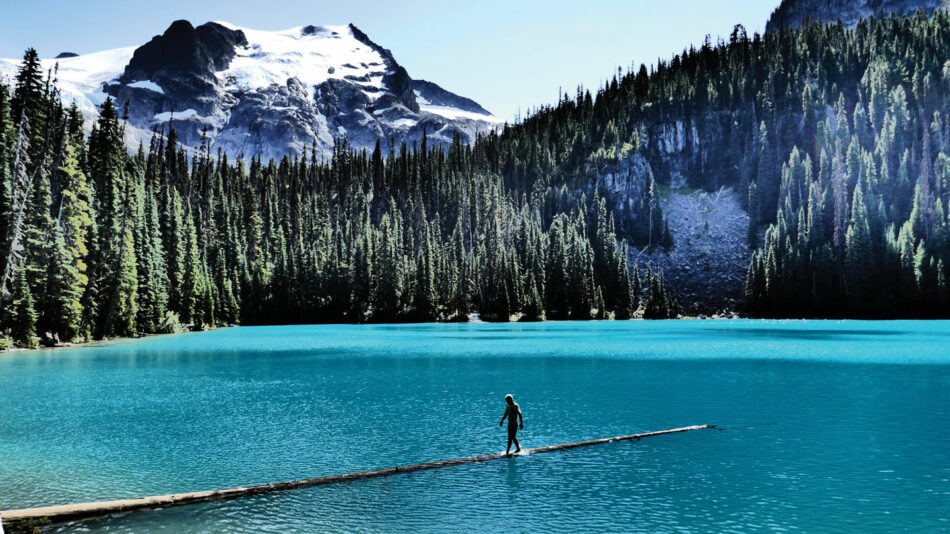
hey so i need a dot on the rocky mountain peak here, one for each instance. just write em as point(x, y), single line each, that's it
point(267, 92)
point(185, 50)
point(396, 78)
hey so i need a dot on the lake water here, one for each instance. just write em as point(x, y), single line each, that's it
point(828, 426)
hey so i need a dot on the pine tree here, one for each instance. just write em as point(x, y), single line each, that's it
point(152, 282)
point(859, 258)
point(20, 186)
point(62, 311)
point(126, 289)
point(23, 320)
point(190, 288)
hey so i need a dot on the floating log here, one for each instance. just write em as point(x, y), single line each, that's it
point(73, 512)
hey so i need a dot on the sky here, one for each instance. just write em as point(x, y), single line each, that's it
point(508, 55)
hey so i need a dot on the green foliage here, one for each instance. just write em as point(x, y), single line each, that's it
point(658, 303)
point(23, 315)
point(62, 311)
point(170, 324)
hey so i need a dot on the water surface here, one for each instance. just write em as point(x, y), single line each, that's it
point(830, 426)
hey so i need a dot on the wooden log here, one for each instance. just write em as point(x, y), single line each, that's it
point(73, 512)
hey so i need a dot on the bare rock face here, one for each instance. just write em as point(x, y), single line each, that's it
point(185, 51)
point(266, 93)
point(792, 13)
point(706, 267)
point(437, 96)
point(396, 79)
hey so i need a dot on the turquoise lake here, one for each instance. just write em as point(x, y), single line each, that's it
point(827, 426)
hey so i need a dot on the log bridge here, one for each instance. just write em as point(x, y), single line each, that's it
point(73, 512)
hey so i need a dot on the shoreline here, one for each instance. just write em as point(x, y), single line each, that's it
point(99, 342)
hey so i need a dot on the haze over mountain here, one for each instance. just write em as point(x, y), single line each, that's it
point(791, 13)
point(269, 93)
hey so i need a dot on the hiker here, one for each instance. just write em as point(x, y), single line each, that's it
point(513, 413)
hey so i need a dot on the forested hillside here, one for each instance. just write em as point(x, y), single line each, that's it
point(838, 139)
point(104, 243)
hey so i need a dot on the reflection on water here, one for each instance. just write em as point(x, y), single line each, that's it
point(513, 472)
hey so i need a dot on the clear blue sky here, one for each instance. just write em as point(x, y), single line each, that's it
point(505, 54)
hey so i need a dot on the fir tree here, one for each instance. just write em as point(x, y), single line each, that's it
point(23, 319)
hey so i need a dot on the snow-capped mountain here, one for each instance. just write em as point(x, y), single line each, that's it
point(791, 13)
point(262, 92)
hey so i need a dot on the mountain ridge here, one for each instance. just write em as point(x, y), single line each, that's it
point(266, 93)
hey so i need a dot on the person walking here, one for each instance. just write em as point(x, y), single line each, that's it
point(513, 414)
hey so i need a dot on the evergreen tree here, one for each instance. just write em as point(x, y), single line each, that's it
point(23, 320)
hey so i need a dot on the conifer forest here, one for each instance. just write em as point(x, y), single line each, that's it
point(837, 140)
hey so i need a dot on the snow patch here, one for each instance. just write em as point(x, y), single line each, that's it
point(404, 123)
point(146, 84)
point(80, 78)
point(312, 54)
point(421, 100)
point(456, 114)
point(178, 115)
